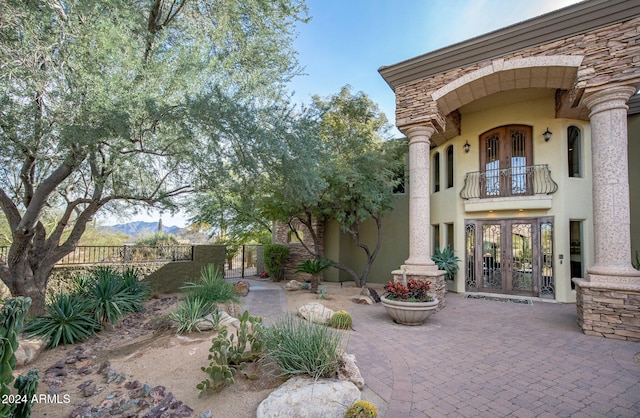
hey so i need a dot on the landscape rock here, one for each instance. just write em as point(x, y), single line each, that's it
point(349, 371)
point(316, 312)
point(28, 350)
point(304, 397)
point(241, 288)
point(362, 300)
point(370, 292)
point(293, 285)
point(226, 320)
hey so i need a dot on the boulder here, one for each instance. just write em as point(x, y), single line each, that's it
point(293, 285)
point(241, 288)
point(29, 349)
point(316, 312)
point(305, 397)
point(226, 320)
point(349, 371)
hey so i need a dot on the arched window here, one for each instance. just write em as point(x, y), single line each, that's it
point(574, 151)
point(449, 166)
point(436, 172)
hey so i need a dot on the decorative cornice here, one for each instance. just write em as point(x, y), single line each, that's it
point(572, 20)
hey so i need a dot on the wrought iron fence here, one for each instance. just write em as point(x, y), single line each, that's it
point(88, 254)
point(515, 181)
point(128, 254)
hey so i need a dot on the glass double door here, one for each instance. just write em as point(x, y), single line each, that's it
point(511, 256)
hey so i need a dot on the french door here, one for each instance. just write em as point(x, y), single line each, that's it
point(505, 154)
point(510, 256)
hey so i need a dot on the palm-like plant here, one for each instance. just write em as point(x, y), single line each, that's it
point(446, 260)
point(314, 267)
point(69, 319)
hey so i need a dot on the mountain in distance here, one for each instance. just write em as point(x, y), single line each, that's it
point(141, 228)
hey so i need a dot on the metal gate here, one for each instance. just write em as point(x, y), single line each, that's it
point(243, 261)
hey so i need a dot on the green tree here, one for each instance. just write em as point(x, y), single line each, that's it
point(351, 180)
point(108, 103)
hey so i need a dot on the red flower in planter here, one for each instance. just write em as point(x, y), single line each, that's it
point(414, 291)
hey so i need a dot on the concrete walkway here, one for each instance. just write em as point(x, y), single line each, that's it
point(484, 358)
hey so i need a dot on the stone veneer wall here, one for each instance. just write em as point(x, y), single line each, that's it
point(297, 252)
point(605, 311)
point(607, 51)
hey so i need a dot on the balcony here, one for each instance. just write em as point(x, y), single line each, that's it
point(524, 187)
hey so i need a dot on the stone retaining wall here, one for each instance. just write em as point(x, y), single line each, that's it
point(297, 252)
point(608, 311)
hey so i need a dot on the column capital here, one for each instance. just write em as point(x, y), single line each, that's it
point(419, 133)
point(609, 98)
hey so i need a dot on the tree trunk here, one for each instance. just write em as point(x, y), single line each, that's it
point(315, 279)
point(23, 281)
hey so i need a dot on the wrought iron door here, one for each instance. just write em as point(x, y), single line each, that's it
point(511, 256)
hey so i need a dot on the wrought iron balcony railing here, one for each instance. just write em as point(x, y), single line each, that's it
point(509, 182)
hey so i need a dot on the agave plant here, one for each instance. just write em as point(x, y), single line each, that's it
point(112, 295)
point(211, 287)
point(446, 260)
point(314, 267)
point(69, 319)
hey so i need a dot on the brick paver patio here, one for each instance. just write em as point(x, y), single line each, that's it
point(485, 358)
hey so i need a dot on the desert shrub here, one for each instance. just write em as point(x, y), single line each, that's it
point(158, 239)
point(300, 347)
point(69, 319)
point(341, 320)
point(361, 409)
point(211, 287)
point(191, 311)
point(274, 257)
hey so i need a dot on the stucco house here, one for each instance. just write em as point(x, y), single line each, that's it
point(519, 159)
point(524, 157)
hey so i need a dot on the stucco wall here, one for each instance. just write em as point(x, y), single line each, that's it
point(572, 201)
point(394, 251)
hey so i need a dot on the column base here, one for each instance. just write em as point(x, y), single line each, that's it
point(425, 272)
point(610, 310)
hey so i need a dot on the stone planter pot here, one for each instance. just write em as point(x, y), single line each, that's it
point(409, 313)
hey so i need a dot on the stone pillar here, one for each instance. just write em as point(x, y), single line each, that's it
point(608, 299)
point(611, 211)
point(419, 264)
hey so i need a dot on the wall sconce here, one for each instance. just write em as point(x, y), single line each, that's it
point(466, 146)
point(547, 135)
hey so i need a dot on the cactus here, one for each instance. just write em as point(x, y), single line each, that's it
point(341, 320)
point(27, 385)
point(230, 354)
point(361, 409)
point(11, 321)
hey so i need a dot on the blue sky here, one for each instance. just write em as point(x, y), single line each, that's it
point(346, 42)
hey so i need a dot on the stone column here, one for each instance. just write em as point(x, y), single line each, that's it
point(419, 264)
point(607, 299)
point(611, 212)
point(419, 198)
